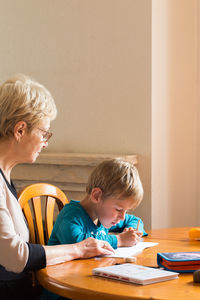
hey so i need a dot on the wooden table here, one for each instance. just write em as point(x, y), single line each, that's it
point(178, 234)
point(74, 279)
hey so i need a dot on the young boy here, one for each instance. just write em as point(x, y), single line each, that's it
point(113, 187)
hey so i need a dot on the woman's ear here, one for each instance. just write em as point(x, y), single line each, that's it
point(96, 195)
point(19, 130)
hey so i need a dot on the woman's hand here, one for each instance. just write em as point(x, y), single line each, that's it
point(85, 249)
point(93, 247)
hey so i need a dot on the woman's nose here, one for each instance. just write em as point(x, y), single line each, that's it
point(45, 144)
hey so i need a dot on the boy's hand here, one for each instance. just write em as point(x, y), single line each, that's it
point(131, 228)
point(129, 237)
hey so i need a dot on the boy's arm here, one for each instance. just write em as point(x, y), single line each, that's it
point(70, 232)
point(129, 221)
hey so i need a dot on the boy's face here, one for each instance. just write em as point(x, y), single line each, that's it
point(112, 210)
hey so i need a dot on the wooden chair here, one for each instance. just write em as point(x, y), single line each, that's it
point(35, 193)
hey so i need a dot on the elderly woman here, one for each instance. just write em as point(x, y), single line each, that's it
point(26, 110)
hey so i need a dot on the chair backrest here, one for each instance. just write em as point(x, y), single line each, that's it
point(35, 193)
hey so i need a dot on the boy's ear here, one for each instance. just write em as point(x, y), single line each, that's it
point(96, 195)
point(19, 130)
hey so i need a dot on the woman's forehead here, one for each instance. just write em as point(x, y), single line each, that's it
point(44, 123)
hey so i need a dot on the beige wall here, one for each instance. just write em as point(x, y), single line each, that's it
point(198, 114)
point(174, 113)
point(95, 57)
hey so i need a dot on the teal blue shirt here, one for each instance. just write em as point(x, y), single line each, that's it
point(73, 225)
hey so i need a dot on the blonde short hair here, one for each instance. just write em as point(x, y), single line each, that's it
point(23, 99)
point(116, 177)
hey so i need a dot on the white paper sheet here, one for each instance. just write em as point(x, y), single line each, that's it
point(131, 251)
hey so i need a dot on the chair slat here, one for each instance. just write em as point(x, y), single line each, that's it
point(38, 219)
point(49, 210)
point(29, 219)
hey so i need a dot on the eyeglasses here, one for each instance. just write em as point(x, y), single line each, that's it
point(47, 135)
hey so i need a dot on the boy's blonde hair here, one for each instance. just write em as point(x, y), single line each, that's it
point(116, 177)
point(23, 99)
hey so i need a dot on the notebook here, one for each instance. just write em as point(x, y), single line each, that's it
point(179, 261)
point(134, 273)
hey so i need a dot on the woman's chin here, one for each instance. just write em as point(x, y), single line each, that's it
point(35, 157)
point(32, 159)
